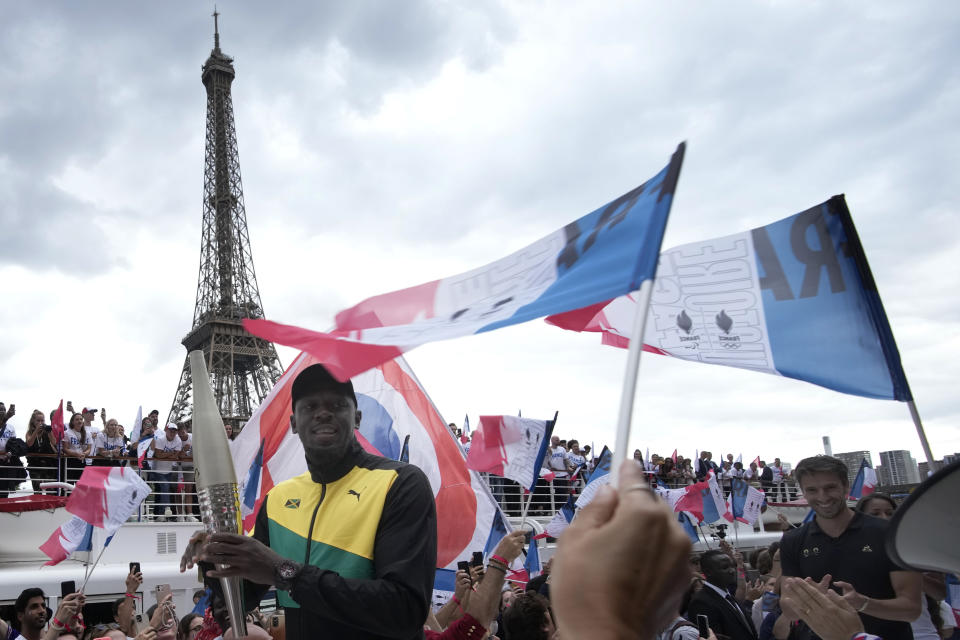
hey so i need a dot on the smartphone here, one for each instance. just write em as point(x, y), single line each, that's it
point(703, 625)
point(275, 621)
point(464, 565)
point(162, 591)
point(477, 560)
point(134, 568)
point(753, 575)
point(67, 587)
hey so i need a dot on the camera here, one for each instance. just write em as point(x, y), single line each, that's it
point(48, 428)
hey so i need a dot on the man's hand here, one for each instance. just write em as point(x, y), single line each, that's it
point(510, 546)
point(461, 587)
point(68, 607)
point(787, 606)
point(754, 589)
point(850, 594)
point(621, 565)
point(149, 633)
point(245, 557)
point(828, 614)
point(133, 582)
point(191, 555)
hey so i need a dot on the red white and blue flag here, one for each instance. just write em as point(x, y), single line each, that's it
point(795, 298)
point(704, 500)
point(394, 407)
point(73, 535)
point(599, 477)
point(604, 254)
point(745, 502)
point(104, 497)
point(510, 447)
point(465, 432)
point(562, 518)
point(865, 482)
point(249, 489)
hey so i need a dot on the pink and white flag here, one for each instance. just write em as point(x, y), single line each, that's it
point(107, 496)
point(72, 535)
point(510, 447)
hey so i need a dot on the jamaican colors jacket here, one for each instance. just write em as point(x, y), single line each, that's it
point(367, 535)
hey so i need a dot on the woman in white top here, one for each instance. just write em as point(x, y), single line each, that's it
point(77, 444)
point(110, 444)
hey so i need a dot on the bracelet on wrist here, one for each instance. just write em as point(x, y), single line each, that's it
point(56, 624)
point(863, 607)
point(499, 559)
point(497, 567)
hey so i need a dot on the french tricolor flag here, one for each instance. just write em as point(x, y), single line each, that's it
point(794, 298)
point(603, 254)
point(865, 482)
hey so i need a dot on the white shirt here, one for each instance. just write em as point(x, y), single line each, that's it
point(576, 460)
point(5, 434)
point(777, 473)
point(557, 457)
point(72, 441)
point(160, 443)
point(103, 442)
point(187, 449)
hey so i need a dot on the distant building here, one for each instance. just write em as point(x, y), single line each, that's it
point(883, 476)
point(950, 459)
point(852, 460)
point(900, 467)
point(924, 468)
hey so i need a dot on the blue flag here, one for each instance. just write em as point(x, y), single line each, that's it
point(865, 481)
point(497, 531)
point(86, 543)
point(598, 478)
point(738, 496)
point(688, 527)
point(532, 563)
point(252, 485)
point(794, 298)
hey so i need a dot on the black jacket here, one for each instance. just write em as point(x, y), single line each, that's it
point(721, 616)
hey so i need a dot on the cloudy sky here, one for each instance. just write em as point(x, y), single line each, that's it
point(384, 144)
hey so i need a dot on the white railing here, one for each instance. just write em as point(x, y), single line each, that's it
point(173, 494)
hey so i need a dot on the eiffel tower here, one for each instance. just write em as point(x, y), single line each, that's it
point(243, 368)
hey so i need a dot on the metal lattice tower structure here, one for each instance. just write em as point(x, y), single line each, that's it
point(243, 368)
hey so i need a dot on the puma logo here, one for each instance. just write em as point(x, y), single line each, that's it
point(351, 492)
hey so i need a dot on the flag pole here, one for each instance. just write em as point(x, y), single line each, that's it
point(915, 415)
point(96, 562)
point(526, 506)
point(622, 439)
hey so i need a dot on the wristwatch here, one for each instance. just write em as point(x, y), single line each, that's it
point(284, 573)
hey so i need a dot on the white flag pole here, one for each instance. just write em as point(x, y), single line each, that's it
point(923, 436)
point(622, 438)
point(96, 562)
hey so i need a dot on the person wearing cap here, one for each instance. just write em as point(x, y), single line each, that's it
point(350, 545)
point(166, 449)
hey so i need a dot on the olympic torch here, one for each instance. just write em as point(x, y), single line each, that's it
point(216, 481)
